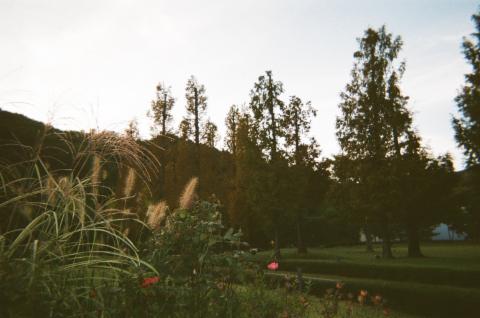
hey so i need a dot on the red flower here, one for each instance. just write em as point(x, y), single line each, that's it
point(273, 266)
point(150, 281)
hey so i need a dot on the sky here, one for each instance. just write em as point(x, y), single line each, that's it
point(95, 64)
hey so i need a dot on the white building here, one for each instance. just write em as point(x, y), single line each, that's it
point(443, 233)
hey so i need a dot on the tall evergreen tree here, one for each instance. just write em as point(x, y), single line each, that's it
point(374, 127)
point(467, 125)
point(161, 114)
point(267, 109)
point(196, 108)
point(297, 123)
point(246, 201)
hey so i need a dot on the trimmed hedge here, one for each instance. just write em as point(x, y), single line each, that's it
point(429, 275)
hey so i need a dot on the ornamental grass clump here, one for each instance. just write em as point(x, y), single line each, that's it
point(62, 231)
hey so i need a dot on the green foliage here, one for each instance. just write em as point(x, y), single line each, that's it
point(372, 128)
point(467, 133)
point(467, 127)
point(385, 177)
point(199, 262)
point(267, 110)
point(274, 301)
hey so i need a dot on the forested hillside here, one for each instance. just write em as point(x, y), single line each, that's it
point(223, 179)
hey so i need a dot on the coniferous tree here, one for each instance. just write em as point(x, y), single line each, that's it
point(161, 114)
point(409, 162)
point(374, 127)
point(246, 202)
point(267, 109)
point(467, 127)
point(196, 108)
point(297, 123)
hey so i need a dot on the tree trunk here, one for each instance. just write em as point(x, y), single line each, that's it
point(368, 238)
point(386, 241)
point(413, 241)
point(301, 248)
point(387, 248)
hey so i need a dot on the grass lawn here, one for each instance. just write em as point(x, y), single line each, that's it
point(445, 283)
point(455, 255)
point(453, 264)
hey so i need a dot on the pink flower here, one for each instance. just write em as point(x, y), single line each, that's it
point(150, 281)
point(273, 266)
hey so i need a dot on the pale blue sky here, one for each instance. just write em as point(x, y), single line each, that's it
point(96, 63)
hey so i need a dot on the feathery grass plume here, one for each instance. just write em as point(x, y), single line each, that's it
point(156, 213)
point(189, 194)
point(129, 182)
point(118, 150)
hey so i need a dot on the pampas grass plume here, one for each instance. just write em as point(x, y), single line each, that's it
point(189, 194)
point(156, 213)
